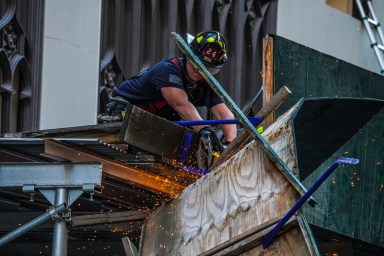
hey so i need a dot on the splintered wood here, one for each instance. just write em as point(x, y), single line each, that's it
point(243, 193)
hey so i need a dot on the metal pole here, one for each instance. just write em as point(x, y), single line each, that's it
point(378, 26)
point(371, 35)
point(33, 223)
point(60, 229)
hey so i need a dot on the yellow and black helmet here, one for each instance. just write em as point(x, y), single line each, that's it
point(211, 48)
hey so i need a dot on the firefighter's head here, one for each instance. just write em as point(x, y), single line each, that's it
point(211, 48)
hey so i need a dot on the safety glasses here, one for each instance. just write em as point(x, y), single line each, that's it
point(211, 70)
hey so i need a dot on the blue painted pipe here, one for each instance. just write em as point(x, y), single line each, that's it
point(268, 238)
point(253, 120)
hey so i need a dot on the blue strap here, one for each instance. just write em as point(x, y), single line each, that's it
point(253, 120)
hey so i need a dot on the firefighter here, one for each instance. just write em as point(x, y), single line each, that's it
point(173, 88)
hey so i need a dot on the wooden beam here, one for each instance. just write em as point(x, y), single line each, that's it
point(7, 155)
point(37, 245)
point(154, 134)
point(249, 239)
point(129, 248)
point(115, 170)
point(120, 223)
point(268, 74)
point(308, 235)
point(109, 217)
point(108, 133)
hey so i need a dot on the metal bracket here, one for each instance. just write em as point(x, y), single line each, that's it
point(31, 190)
point(28, 188)
point(66, 214)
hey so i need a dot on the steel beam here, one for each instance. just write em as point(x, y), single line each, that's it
point(50, 175)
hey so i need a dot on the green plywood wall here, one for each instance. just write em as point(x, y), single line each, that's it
point(351, 201)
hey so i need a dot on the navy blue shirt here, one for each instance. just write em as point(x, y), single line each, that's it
point(145, 88)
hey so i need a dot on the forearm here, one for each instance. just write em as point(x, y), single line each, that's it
point(222, 112)
point(230, 132)
point(188, 112)
point(178, 100)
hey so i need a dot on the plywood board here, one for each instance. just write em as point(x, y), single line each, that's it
point(323, 125)
point(243, 193)
point(351, 201)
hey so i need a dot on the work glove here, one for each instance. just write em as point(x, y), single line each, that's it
point(208, 133)
point(115, 112)
point(224, 145)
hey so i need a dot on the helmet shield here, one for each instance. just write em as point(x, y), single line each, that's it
point(211, 49)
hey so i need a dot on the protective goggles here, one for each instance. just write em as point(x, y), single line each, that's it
point(212, 70)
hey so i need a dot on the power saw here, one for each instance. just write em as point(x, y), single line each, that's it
point(207, 151)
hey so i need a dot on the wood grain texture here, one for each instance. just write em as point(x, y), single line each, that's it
point(153, 134)
point(243, 193)
point(288, 244)
point(268, 75)
point(250, 242)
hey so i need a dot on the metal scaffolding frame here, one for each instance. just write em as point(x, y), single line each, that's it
point(61, 184)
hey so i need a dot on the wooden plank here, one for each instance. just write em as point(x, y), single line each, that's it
point(108, 133)
point(41, 244)
point(249, 239)
point(129, 248)
point(8, 156)
point(239, 195)
point(15, 219)
point(154, 134)
point(244, 137)
point(109, 217)
point(268, 74)
point(288, 243)
point(115, 170)
point(308, 235)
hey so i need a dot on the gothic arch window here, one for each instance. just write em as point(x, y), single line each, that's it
point(20, 64)
point(14, 47)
